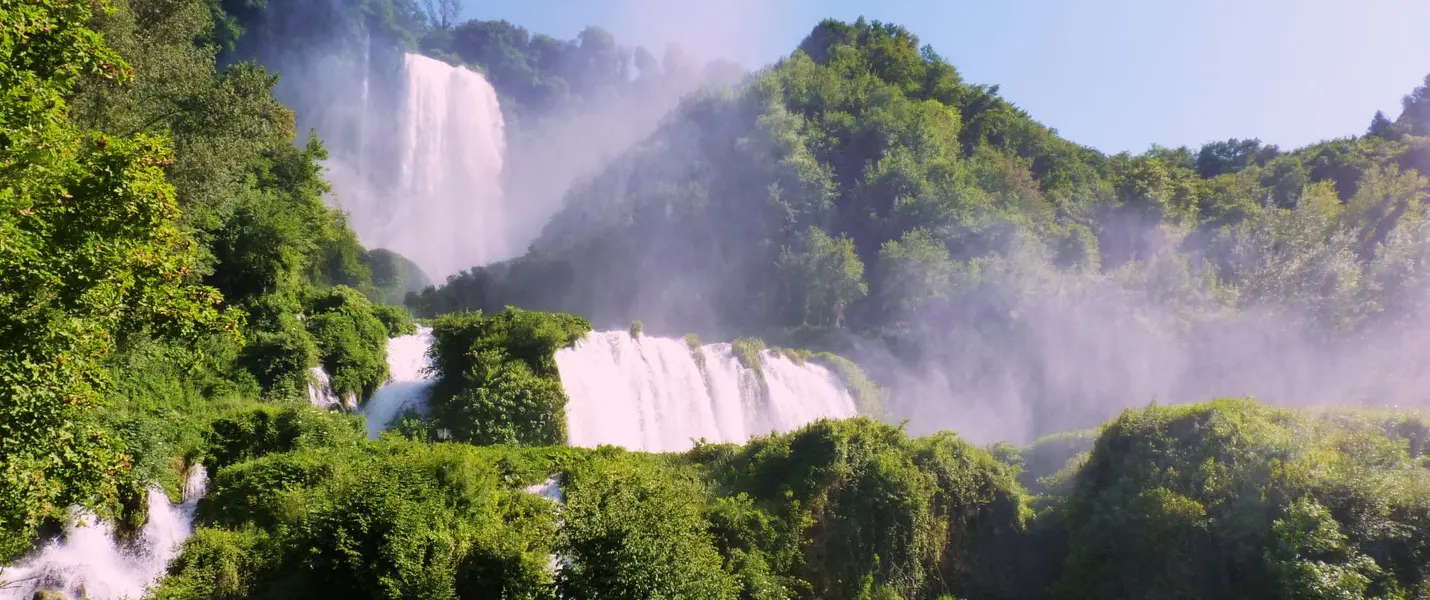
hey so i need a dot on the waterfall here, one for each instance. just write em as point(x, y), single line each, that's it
point(408, 383)
point(658, 394)
point(88, 562)
point(321, 394)
point(442, 207)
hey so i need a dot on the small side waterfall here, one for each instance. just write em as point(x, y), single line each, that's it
point(409, 383)
point(658, 394)
point(87, 561)
point(321, 394)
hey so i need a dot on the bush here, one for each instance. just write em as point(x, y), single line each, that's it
point(748, 350)
point(280, 359)
point(387, 519)
point(496, 377)
point(351, 339)
point(843, 507)
point(263, 430)
point(219, 563)
point(868, 396)
point(634, 530)
point(395, 319)
point(697, 353)
point(1284, 501)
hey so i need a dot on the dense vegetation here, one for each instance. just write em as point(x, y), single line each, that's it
point(496, 376)
point(169, 274)
point(1226, 499)
point(162, 239)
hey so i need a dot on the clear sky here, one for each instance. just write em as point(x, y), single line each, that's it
point(1113, 74)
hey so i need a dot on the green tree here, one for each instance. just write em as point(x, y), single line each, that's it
point(90, 252)
point(1415, 113)
point(822, 279)
point(913, 271)
point(636, 531)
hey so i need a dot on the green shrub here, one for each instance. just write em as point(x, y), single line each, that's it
point(1290, 502)
point(496, 377)
point(262, 430)
point(868, 396)
point(635, 330)
point(387, 519)
point(351, 339)
point(1049, 455)
point(219, 563)
point(747, 351)
point(396, 319)
point(697, 353)
point(839, 508)
point(634, 529)
point(280, 359)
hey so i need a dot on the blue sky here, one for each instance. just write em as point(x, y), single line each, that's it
point(1113, 74)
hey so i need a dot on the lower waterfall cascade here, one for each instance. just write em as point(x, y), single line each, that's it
point(660, 394)
point(88, 562)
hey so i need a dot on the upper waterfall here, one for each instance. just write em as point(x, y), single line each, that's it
point(659, 395)
point(442, 205)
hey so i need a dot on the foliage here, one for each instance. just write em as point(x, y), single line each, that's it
point(351, 340)
point(373, 520)
point(868, 396)
point(697, 352)
point(635, 530)
point(90, 253)
point(496, 377)
point(263, 430)
point(1285, 504)
point(747, 351)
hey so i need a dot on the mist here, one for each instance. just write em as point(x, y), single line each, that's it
point(1029, 350)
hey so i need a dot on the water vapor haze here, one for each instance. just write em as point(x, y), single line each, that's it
point(1029, 350)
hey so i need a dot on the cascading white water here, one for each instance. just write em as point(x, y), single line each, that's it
point(409, 383)
point(87, 562)
point(321, 394)
point(651, 394)
point(443, 207)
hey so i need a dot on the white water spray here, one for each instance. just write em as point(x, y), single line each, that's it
point(443, 207)
point(409, 384)
point(321, 394)
point(87, 562)
point(653, 394)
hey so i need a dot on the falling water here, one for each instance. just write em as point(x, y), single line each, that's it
point(321, 394)
point(654, 394)
point(443, 205)
point(409, 383)
point(88, 562)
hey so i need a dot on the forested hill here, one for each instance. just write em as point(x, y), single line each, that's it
point(861, 194)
